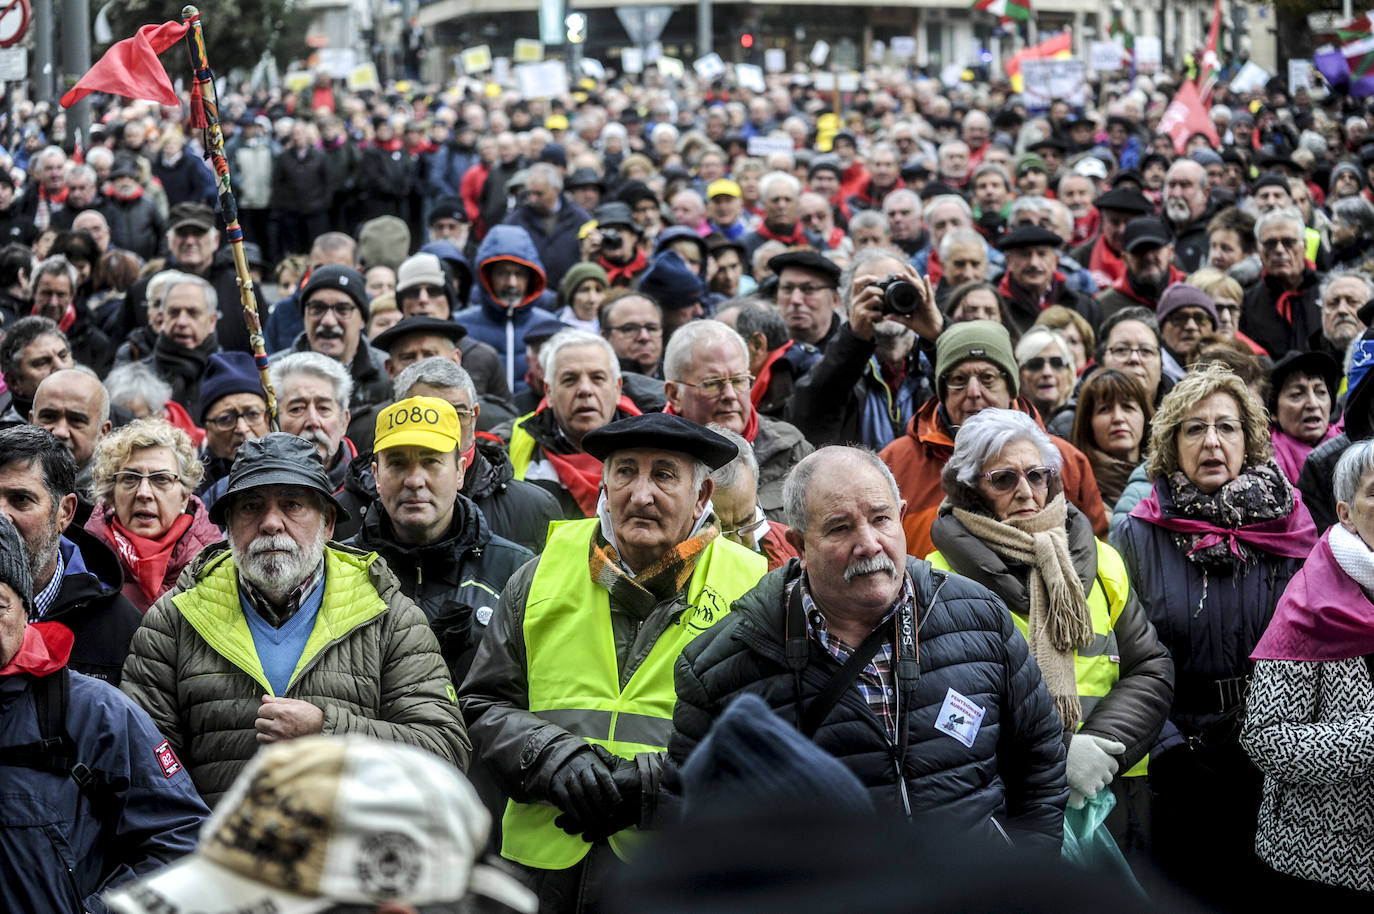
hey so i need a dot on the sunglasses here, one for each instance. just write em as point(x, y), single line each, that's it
point(1038, 364)
point(1004, 481)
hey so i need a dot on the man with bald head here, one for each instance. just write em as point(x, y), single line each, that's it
point(75, 407)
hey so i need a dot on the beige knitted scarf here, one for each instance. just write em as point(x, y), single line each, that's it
point(1059, 621)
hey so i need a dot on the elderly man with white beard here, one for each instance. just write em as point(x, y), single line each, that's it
point(279, 633)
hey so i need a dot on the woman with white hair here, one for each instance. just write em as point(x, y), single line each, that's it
point(1048, 369)
point(1006, 524)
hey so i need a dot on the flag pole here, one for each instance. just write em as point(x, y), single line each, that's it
point(214, 151)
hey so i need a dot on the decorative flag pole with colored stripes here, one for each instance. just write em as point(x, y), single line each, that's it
point(208, 118)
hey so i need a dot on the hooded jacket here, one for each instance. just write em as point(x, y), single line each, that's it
point(455, 581)
point(372, 665)
point(558, 247)
point(491, 322)
point(1011, 777)
point(917, 458)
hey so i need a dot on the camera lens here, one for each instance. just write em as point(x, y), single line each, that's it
point(901, 297)
point(610, 238)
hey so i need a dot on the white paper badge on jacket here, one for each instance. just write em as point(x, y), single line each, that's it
point(960, 718)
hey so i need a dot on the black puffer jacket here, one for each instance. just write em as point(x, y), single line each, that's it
point(456, 581)
point(1012, 776)
point(518, 510)
point(91, 603)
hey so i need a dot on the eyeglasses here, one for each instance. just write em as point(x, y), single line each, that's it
point(715, 387)
point(810, 290)
point(432, 291)
point(342, 310)
point(1270, 244)
point(226, 421)
point(637, 329)
point(129, 481)
point(988, 380)
point(1004, 481)
point(1184, 318)
point(1195, 430)
point(1125, 352)
point(1228, 308)
point(813, 217)
point(750, 528)
point(1038, 364)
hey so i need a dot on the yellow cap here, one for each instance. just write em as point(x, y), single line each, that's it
point(723, 187)
point(420, 421)
point(555, 122)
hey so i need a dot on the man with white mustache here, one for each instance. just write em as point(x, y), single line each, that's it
point(313, 393)
point(915, 679)
point(279, 633)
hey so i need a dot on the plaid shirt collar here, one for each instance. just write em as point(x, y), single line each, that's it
point(816, 625)
point(44, 599)
point(278, 617)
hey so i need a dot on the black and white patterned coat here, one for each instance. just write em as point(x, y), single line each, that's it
point(1310, 728)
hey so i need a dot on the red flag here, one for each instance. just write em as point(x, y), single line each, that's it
point(1186, 116)
point(131, 68)
point(1211, 64)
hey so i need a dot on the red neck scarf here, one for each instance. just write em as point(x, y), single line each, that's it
point(1084, 227)
point(581, 473)
point(797, 237)
point(68, 318)
point(59, 198)
point(1284, 305)
point(129, 197)
point(751, 427)
point(1106, 265)
point(618, 275)
point(1123, 285)
point(837, 236)
point(1023, 296)
point(44, 650)
point(1293, 535)
point(1323, 614)
point(147, 559)
point(933, 268)
point(766, 374)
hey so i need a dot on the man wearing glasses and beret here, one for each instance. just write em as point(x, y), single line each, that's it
point(808, 296)
point(974, 370)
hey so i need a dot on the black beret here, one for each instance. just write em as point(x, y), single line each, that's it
point(1312, 364)
point(811, 261)
point(1271, 179)
point(663, 432)
point(418, 324)
point(1050, 142)
point(1029, 236)
point(1121, 200)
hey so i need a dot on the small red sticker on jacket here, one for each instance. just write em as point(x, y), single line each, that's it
point(167, 758)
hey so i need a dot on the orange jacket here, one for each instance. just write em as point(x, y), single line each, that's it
point(917, 458)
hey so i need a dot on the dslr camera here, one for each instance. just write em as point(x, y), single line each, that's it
point(611, 239)
point(900, 296)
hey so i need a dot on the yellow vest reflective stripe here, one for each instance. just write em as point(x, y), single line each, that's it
point(521, 446)
point(1096, 667)
point(574, 679)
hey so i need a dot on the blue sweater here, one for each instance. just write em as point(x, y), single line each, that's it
point(280, 649)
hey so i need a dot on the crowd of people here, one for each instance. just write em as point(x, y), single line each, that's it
point(966, 465)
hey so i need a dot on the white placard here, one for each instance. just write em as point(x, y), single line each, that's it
point(903, 47)
point(877, 51)
point(1051, 80)
point(951, 75)
point(819, 53)
point(631, 60)
point(14, 63)
point(764, 146)
point(849, 82)
point(775, 60)
point(593, 68)
point(1104, 56)
point(1299, 74)
point(541, 80)
point(824, 81)
point(750, 77)
point(338, 61)
point(709, 67)
point(500, 71)
point(1149, 56)
point(1251, 78)
point(670, 68)
point(527, 50)
point(476, 59)
point(653, 51)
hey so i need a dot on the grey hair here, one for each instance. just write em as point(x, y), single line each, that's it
point(941, 200)
point(137, 381)
point(1356, 211)
point(774, 176)
point(1037, 338)
point(1025, 204)
point(1357, 460)
point(314, 365)
point(1334, 275)
point(897, 196)
point(100, 154)
point(728, 476)
point(992, 168)
point(47, 152)
point(81, 172)
point(869, 218)
point(961, 236)
point(177, 278)
point(547, 174)
point(1288, 215)
point(861, 258)
point(56, 265)
point(985, 435)
point(798, 481)
point(677, 357)
point(548, 353)
point(435, 371)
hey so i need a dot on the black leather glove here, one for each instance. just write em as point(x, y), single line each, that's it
point(584, 789)
point(622, 814)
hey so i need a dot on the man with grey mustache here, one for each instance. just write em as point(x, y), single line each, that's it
point(280, 633)
point(915, 679)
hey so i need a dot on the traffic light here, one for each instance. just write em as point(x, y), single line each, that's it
point(577, 28)
point(746, 40)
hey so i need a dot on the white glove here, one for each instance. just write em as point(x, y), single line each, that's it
point(1090, 766)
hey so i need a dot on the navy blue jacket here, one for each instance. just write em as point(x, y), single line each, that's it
point(559, 249)
point(59, 855)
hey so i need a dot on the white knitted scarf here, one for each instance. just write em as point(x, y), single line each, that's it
point(1354, 557)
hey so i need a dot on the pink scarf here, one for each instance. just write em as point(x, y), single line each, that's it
point(1322, 615)
point(1293, 535)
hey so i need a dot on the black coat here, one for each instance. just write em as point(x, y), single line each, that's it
point(1013, 775)
point(135, 225)
point(1260, 319)
point(518, 510)
point(94, 608)
point(301, 184)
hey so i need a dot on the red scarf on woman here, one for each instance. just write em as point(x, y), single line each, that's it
point(1293, 535)
point(147, 559)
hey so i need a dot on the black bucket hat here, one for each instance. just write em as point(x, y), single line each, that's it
point(277, 459)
